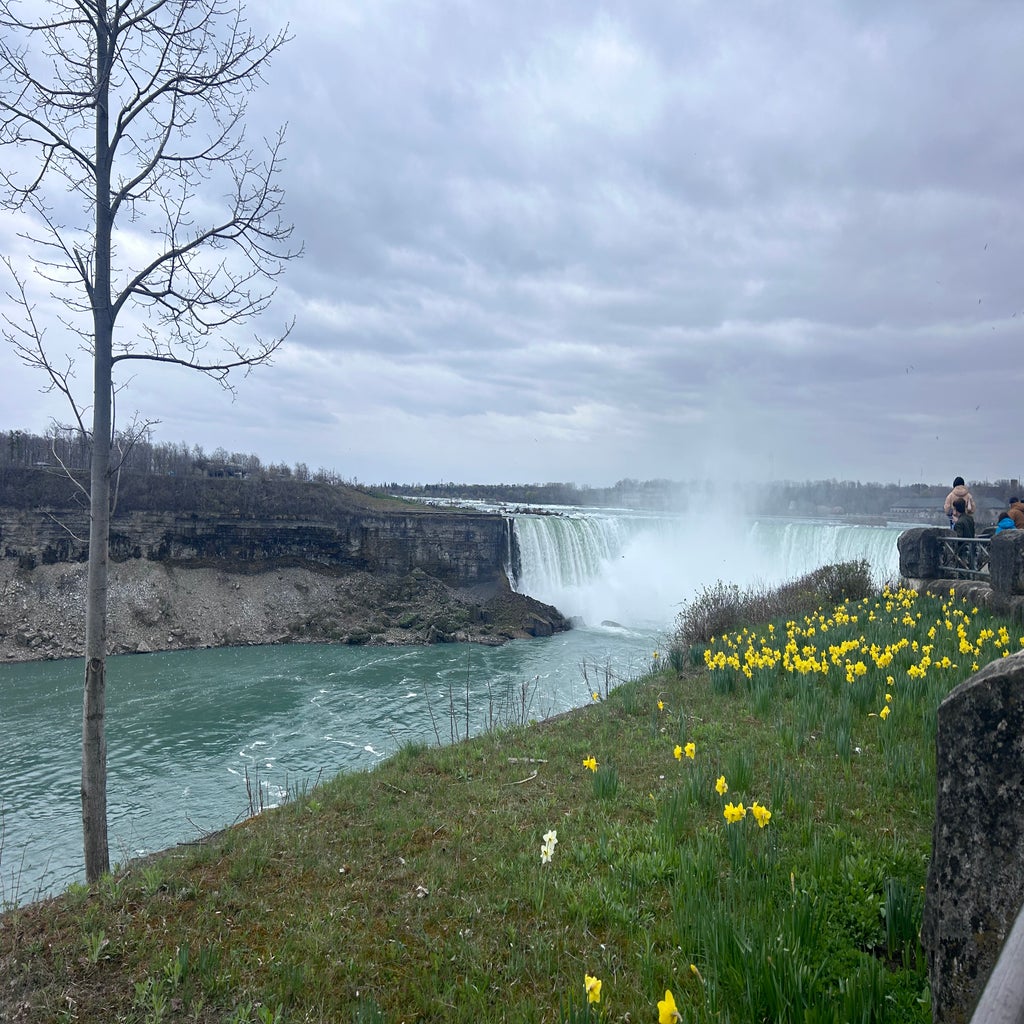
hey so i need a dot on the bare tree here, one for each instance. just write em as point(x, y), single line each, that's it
point(147, 210)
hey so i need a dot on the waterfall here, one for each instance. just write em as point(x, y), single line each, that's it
point(635, 568)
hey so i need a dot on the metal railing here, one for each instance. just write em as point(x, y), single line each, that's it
point(964, 557)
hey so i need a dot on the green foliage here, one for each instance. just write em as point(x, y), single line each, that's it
point(95, 943)
point(605, 782)
point(722, 608)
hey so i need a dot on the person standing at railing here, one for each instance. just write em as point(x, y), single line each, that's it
point(1016, 512)
point(963, 521)
point(959, 491)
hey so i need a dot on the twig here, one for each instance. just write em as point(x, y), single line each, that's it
point(527, 760)
point(74, 536)
point(529, 778)
point(395, 788)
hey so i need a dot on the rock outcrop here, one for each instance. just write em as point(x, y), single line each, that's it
point(183, 581)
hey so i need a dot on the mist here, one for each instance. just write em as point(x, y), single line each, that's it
point(637, 570)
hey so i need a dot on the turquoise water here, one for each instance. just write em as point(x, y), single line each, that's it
point(185, 730)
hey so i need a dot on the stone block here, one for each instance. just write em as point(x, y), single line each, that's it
point(919, 552)
point(976, 875)
point(1006, 562)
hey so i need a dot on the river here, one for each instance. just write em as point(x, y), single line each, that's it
point(191, 734)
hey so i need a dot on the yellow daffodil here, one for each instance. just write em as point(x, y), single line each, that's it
point(734, 812)
point(884, 713)
point(593, 987)
point(690, 750)
point(696, 973)
point(591, 763)
point(762, 814)
point(722, 786)
point(667, 1012)
point(661, 705)
point(595, 695)
point(678, 753)
point(888, 698)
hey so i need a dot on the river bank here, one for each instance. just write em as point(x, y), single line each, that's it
point(156, 606)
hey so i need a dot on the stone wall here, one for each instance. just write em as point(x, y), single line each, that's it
point(976, 875)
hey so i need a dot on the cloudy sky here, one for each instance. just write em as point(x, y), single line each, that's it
point(656, 238)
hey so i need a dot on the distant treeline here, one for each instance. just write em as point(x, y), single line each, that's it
point(31, 487)
point(53, 472)
point(161, 476)
point(67, 448)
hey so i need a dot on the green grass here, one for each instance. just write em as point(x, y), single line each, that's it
point(417, 892)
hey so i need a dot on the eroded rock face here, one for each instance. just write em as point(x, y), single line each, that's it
point(154, 607)
point(976, 876)
point(460, 548)
point(185, 581)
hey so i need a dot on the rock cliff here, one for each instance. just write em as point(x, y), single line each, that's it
point(182, 580)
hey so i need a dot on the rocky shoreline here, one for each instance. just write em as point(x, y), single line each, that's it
point(159, 606)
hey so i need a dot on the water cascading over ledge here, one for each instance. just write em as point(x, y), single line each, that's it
point(635, 568)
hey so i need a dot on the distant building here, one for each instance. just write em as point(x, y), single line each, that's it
point(222, 469)
point(927, 509)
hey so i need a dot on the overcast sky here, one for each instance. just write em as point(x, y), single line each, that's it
point(581, 241)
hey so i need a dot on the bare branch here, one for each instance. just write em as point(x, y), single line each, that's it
point(49, 515)
point(27, 341)
point(67, 472)
point(258, 354)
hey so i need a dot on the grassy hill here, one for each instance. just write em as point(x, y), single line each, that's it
point(741, 835)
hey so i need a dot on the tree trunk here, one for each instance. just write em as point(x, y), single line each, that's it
point(94, 741)
point(94, 701)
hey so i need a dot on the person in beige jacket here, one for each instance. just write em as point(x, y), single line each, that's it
point(959, 491)
point(1016, 512)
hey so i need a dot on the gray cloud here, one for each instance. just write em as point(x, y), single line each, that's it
point(646, 239)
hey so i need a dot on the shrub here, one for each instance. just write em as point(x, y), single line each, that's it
point(721, 608)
